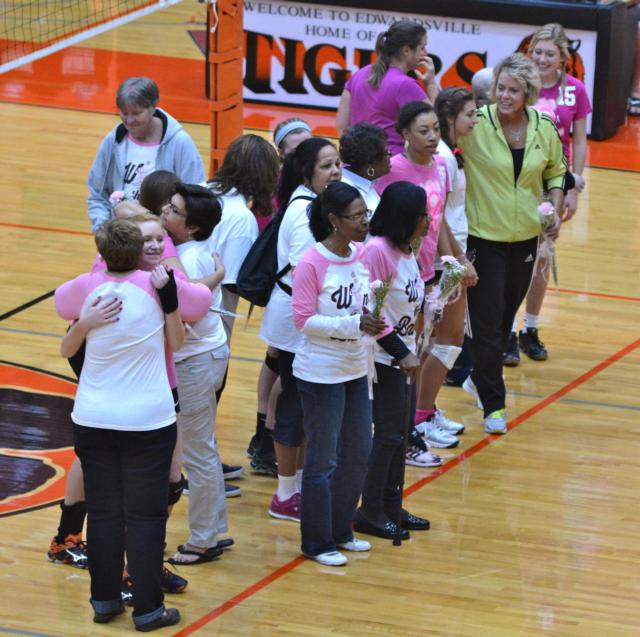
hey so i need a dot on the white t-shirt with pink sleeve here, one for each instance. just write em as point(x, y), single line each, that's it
point(140, 162)
point(404, 299)
point(329, 293)
point(124, 383)
point(434, 179)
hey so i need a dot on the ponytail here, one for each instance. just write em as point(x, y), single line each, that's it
point(389, 44)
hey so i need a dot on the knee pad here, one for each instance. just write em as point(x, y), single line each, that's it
point(175, 490)
point(446, 354)
point(271, 362)
point(430, 343)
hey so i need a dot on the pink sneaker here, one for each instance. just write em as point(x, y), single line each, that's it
point(288, 509)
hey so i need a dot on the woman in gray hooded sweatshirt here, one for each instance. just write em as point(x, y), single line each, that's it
point(148, 139)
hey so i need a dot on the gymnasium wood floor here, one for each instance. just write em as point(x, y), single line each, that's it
point(534, 533)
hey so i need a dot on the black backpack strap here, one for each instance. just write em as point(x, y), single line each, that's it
point(287, 268)
point(283, 286)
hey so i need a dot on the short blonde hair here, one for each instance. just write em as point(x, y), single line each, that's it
point(524, 71)
point(119, 242)
point(143, 217)
point(554, 33)
point(127, 208)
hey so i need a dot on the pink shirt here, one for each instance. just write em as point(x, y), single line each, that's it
point(565, 107)
point(380, 106)
point(434, 179)
point(402, 304)
point(329, 293)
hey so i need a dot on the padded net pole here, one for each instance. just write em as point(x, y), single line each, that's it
point(225, 52)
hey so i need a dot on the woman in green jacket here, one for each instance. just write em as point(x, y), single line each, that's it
point(513, 156)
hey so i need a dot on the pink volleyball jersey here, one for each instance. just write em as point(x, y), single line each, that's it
point(565, 104)
point(124, 383)
point(329, 293)
point(404, 299)
point(434, 179)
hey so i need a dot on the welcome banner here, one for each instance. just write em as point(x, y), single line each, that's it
point(303, 54)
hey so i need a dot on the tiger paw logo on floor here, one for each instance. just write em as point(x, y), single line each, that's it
point(36, 437)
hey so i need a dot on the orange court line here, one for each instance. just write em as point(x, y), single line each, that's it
point(416, 486)
point(21, 226)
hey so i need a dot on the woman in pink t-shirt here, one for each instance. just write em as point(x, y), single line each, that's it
point(419, 165)
point(565, 99)
point(378, 91)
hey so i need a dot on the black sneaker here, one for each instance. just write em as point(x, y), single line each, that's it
point(173, 583)
point(231, 490)
point(511, 355)
point(170, 617)
point(530, 344)
point(254, 443)
point(231, 472)
point(264, 465)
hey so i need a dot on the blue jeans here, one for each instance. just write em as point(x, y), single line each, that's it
point(126, 478)
point(337, 423)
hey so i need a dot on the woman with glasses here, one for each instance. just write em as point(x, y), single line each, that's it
point(147, 139)
point(364, 153)
point(305, 175)
point(189, 218)
point(330, 295)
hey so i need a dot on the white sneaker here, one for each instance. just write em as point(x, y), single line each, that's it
point(419, 458)
point(470, 388)
point(496, 422)
point(331, 558)
point(356, 545)
point(450, 426)
point(435, 436)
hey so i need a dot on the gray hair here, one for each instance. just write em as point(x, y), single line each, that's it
point(524, 71)
point(141, 91)
point(481, 85)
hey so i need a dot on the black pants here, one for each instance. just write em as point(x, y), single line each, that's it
point(126, 478)
point(504, 272)
point(394, 405)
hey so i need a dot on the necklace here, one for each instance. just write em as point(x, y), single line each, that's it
point(516, 133)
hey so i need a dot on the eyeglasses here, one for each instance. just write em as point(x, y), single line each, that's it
point(174, 209)
point(359, 217)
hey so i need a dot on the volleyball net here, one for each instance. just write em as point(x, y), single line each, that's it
point(31, 29)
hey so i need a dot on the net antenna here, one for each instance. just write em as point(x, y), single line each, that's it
point(31, 29)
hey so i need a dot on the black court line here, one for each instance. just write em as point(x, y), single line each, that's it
point(27, 305)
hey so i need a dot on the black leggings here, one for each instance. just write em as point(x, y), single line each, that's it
point(504, 274)
point(394, 405)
